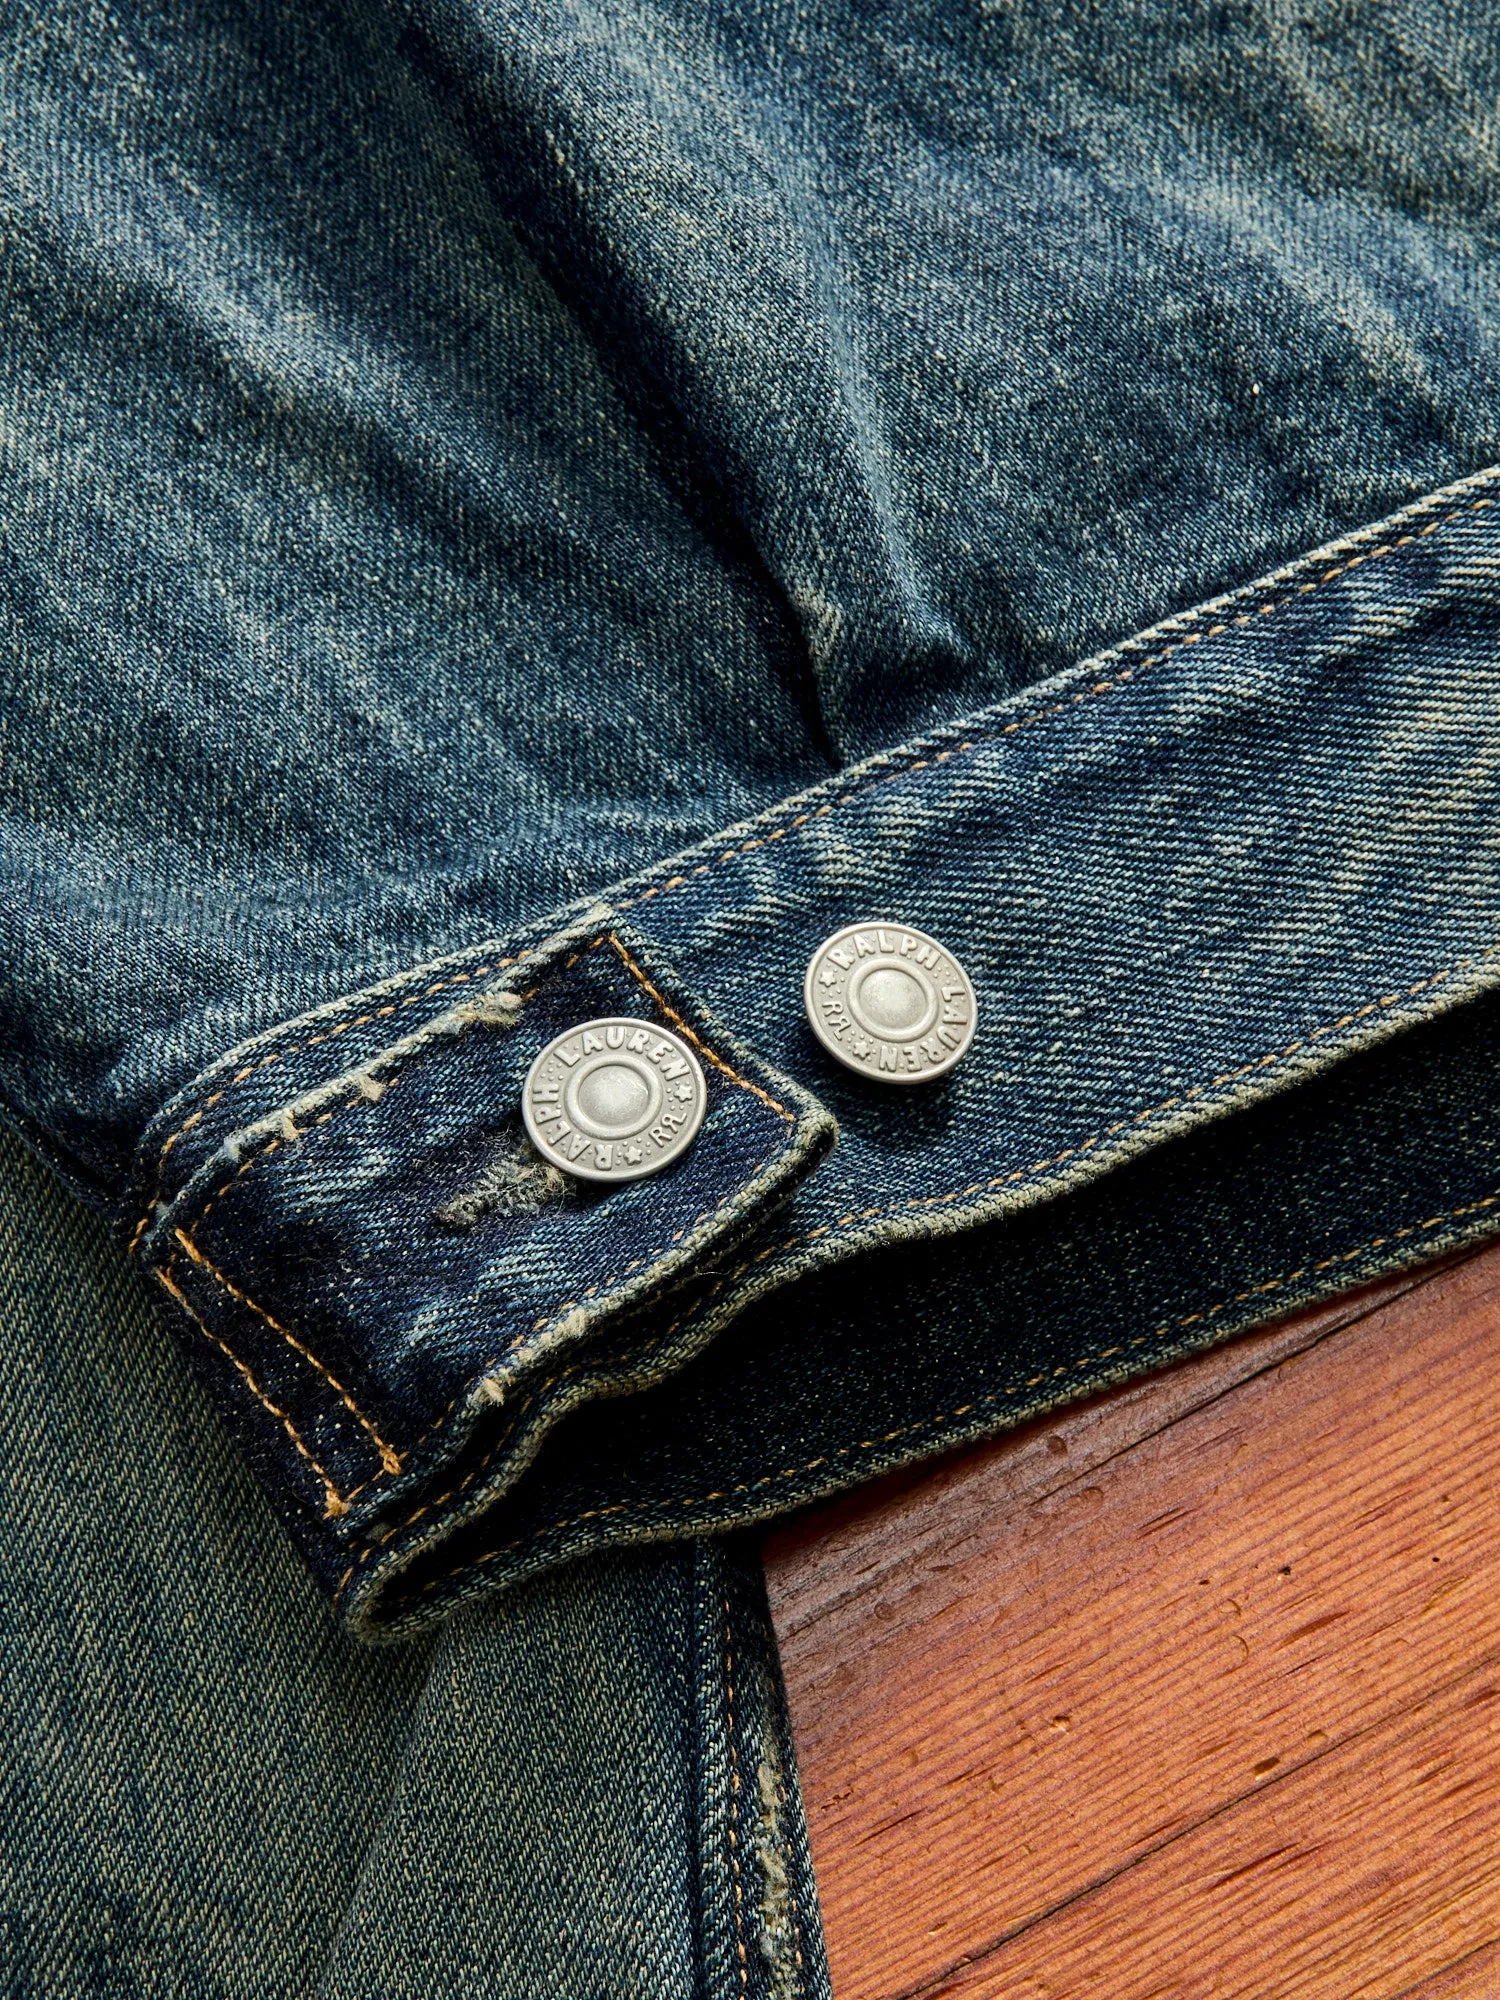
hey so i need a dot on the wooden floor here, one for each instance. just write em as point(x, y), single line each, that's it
point(1190, 1690)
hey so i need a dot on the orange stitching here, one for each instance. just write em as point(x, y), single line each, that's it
point(1270, 1059)
point(161, 1160)
point(702, 1046)
point(1189, 638)
point(734, 1797)
point(927, 1423)
point(355, 1097)
point(389, 1457)
point(875, 777)
point(273, 1146)
point(1120, 1125)
point(605, 937)
point(963, 1410)
point(277, 1055)
point(336, 1502)
point(386, 1452)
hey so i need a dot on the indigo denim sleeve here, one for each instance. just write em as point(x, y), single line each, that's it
point(582, 1789)
point(518, 513)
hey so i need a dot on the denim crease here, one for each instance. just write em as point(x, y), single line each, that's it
point(209, 1791)
point(1175, 875)
point(459, 454)
point(518, 512)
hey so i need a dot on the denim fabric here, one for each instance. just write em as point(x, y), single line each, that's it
point(458, 454)
point(1202, 870)
point(601, 1799)
point(522, 512)
point(209, 1791)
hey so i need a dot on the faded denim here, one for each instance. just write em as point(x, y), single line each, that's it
point(475, 472)
point(522, 512)
point(1175, 879)
point(208, 1791)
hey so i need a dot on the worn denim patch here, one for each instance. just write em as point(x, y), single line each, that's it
point(403, 1189)
point(1189, 876)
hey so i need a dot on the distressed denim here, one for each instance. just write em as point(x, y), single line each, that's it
point(516, 513)
point(585, 1789)
point(1189, 879)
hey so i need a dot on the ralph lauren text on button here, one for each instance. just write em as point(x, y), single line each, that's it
point(890, 1002)
point(613, 1099)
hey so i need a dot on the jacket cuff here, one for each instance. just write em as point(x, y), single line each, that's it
point(1189, 873)
point(378, 1251)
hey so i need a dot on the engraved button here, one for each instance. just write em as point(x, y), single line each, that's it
point(890, 1002)
point(614, 1099)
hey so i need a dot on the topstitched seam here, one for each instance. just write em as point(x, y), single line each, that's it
point(337, 1502)
point(921, 1201)
point(1188, 637)
point(605, 937)
point(278, 1054)
point(553, 1319)
point(741, 1953)
point(355, 1097)
point(1193, 1092)
point(964, 1409)
point(390, 1458)
point(697, 1041)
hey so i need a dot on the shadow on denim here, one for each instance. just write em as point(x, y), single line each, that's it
point(517, 507)
point(210, 1791)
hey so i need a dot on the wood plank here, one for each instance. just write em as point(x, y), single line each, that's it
point(835, 1555)
point(1476, 1973)
point(1355, 1873)
point(1020, 1681)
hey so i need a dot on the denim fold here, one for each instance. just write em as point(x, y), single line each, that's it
point(1195, 872)
point(209, 1789)
point(516, 512)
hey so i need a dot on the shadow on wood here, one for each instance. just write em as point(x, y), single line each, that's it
point(1189, 1690)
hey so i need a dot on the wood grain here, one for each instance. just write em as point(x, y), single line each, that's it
point(1190, 1690)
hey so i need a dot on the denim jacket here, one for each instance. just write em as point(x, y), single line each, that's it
point(522, 513)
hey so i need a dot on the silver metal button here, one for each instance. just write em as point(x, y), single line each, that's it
point(890, 1002)
point(614, 1099)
